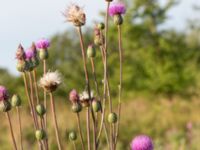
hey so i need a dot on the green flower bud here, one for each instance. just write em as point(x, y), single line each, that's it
point(76, 107)
point(30, 65)
point(40, 109)
point(21, 66)
point(98, 40)
point(43, 54)
point(72, 136)
point(40, 134)
point(36, 62)
point(112, 118)
point(96, 105)
point(118, 20)
point(16, 101)
point(5, 106)
point(101, 26)
point(91, 52)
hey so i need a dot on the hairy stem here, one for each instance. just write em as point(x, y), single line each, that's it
point(120, 81)
point(11, 131)
point(55, 121)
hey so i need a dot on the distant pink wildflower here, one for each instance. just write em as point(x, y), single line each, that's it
point(42, 44)
point(4, 96)
point(142, 142)
point(117, 9)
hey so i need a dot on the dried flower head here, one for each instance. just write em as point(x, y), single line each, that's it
point(50, 81)
point(4, 96)
point(117, 9)
point(73, 96)
point(142, 142)
point(84, 98)
point(75, 15)
point(20, 54)
point(42, 44)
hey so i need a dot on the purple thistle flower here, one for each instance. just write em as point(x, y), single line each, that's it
point(42, 44)
point(117, 9)
point(73, 96)
point(4, 96)
point(29, 54)
point(142, 142)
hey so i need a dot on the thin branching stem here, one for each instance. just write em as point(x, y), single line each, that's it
point(80, 131)
point(74, 145)
point(20, 127)
point(11, 131)
point(55, 121)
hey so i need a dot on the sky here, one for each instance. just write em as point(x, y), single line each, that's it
point(25, 21)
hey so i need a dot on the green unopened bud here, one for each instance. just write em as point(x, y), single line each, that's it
point(21, 66)
point(112, 118)
point(91, 52)
point(5, 106)
point(40, 109)
point(36, 62)
point(118, 20)
point(30, 65)
point(40, 134)
point(43, 54)
point(72, 136)
point(16, 101)
point(96, 105)
point(98, 40)
point(76, 107)
point(101, 26)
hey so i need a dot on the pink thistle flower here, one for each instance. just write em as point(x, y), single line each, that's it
point(29, 54)
point(142, 142)
point(4, 96)
point(117, 9)
point(73, 96)
point(42, 44)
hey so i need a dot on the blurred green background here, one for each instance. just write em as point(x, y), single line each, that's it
point(161, 79)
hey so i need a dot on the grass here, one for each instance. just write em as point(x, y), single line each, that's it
point(173, 125)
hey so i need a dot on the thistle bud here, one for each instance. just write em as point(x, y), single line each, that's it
point(35, 62)
point(30, 65)
point(118, 20)
point(98, 40)
point(5, 106)
point(91, 52)
point(22, 66)
point(73, 96)
point(76, 107)
point(40, 109)
point(43, 54)
point(101, 26)
point(16, 101)
point(96, 105)
point(40, 134)
point(72, 136)
point(112, 118)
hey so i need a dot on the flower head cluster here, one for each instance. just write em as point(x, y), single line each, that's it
point(142, 142)
point(117, 9)
point(42, 44)
point(75, 15)
point(4, 96)
point(50, 81)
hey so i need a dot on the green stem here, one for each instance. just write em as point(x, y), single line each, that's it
point(80, 130)
point(20, 127)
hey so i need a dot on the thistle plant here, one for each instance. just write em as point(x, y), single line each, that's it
point(101, 116)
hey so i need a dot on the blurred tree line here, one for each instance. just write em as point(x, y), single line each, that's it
point(156, 61)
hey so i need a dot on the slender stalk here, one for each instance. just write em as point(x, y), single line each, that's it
point(45, 94)
point(33, 114)
point(46, 140)
point(11, 131)
point(35, 85)
point(20, 127)
point(120, 81)
point(80, 130)
point(74, 145)
point(89, 93)
point(55, 121)
point(29, 99)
